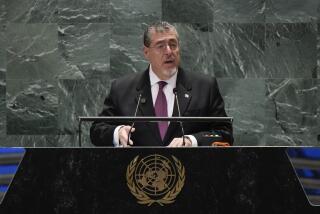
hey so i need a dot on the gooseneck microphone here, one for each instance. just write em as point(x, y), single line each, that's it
point(135, 114)
point(178, 106)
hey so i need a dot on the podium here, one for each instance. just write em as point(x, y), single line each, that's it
point(215, 180)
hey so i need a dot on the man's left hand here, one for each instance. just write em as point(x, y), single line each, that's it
point(178, 142)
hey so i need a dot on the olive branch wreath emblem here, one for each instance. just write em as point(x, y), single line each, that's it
point(142, 197)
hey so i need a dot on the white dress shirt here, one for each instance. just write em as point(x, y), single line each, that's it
point(168, 91)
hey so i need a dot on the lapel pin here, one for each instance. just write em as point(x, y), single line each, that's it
point(186, 95)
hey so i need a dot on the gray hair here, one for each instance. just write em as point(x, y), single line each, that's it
point(159, 27)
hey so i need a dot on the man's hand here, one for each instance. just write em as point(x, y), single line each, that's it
point(220, 144)
point(178, 142)
point(123, 136)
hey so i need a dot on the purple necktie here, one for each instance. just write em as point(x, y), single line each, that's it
point(161, 109)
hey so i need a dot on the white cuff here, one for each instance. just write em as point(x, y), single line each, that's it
point(116, 142)
point(194, 142)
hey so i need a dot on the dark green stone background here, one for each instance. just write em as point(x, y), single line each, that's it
point(58, 57)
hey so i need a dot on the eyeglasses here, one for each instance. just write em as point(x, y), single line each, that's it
point(161, 47)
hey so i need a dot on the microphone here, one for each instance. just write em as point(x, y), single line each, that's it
point(135, 114)
point(178, 106)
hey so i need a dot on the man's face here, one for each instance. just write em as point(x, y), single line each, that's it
point(163, 53)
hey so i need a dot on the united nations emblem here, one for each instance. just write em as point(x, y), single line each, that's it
point(155, 179)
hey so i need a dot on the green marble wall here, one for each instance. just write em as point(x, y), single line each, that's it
point(58, 57)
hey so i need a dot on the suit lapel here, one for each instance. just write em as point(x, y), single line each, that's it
point(184, 89)
point(184, 98)
point(146, 105)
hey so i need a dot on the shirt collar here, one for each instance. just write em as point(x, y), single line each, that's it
point(154, 79)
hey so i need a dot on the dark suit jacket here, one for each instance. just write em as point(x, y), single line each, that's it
point(198, 95)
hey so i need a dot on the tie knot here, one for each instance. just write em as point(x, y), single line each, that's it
point(161, 85)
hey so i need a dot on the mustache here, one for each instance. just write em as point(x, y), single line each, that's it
point(169, 59)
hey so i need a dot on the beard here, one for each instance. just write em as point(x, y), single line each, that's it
point(170, 71)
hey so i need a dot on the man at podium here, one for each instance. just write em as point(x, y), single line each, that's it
point(163, 90)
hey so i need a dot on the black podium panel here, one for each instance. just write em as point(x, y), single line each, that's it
point(212, 180)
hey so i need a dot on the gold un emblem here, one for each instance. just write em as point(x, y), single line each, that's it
point(155, 179)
